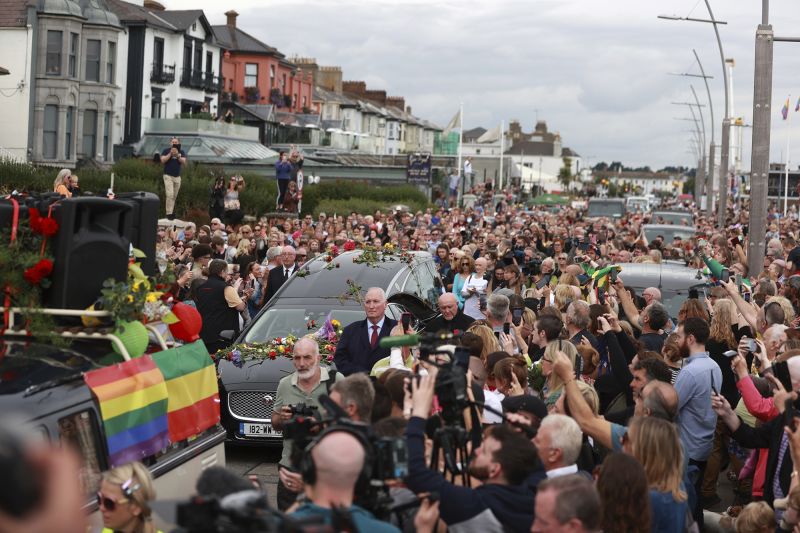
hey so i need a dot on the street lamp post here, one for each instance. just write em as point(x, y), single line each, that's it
point(700, 178)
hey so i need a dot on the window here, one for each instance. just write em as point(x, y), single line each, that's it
point(50, 138)
point(155, 103)
point(304, 102)
point(251, 75)
point(209, 62)
point(54, 46)
point(93, 60)
point(271, 76)
point(89, 133)
point(107, 136)
point(158, 53)
point(110, 60)
point(81, 432)
point(70, 127)
point(283, 84)
point(73, 55)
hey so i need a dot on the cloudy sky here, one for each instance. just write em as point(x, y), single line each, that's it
point(597, 72)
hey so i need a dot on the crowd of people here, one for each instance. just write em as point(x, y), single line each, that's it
point(592, 408)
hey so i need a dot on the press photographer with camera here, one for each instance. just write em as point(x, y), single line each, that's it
point(301, 388)
point(503, 462)
point(333, 467)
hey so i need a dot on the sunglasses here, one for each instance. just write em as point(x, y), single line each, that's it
point(104, 502)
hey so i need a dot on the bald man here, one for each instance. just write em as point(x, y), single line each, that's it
point(338, 459)
point(452, 319)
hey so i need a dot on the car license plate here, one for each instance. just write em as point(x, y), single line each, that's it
point(257, 430)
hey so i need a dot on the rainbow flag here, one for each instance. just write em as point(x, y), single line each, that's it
point(133, 404)
point(785, 109)
point(191, 380)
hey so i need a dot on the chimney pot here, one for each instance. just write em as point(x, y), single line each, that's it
point(231, 15)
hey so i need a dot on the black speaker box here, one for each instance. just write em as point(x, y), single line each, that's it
point(144, 224)
point(92, 245)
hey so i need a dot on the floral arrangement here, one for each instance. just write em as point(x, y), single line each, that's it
point(26, 265)
point(373, 256)
point(326, 338)
point(138, 298)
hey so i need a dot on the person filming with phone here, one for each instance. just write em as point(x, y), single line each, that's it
point(173, 159)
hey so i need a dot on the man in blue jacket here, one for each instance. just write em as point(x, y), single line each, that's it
point(283, 173)
point(503, 462)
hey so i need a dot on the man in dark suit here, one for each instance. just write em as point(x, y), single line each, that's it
point(452, 317)
point(358, 350)
point(278, 275)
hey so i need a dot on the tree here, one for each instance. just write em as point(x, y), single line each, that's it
point(601, 166)
point(565, 174)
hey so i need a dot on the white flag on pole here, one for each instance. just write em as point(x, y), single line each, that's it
point(490, 136)
point(454, 124)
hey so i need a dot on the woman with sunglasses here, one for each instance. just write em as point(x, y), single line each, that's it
point(124, 499)
point(463, 272)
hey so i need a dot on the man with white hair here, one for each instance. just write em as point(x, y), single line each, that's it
point(358, 349)
point(305, 385)
point(558, 443)
point(278, 276)
point(577, 323)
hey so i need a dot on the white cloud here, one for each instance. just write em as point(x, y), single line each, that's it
point(596, 71)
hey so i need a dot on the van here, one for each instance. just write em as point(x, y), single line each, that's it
point(639, 204)
point(606, 207)
point(47, 385)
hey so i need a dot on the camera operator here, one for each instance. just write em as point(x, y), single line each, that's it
point(304, 386)
point(333, 467)
point(502, 462)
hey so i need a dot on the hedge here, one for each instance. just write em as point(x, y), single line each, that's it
point(257, 198)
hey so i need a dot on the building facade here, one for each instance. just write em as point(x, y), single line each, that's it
point(259, 74)
point(73, 84)
point(173, 65)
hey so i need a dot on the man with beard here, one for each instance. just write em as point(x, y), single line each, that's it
point(699, 377)
point(306, 385)
point(502, 463)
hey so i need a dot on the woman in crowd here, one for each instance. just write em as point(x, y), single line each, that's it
point(61, 184)
point(513, 279)
point(245, 254)
point(216, 201)
point(655, 444)
point(498, 279)
point(292, 198)
point(554, 386)
point(124, 499)
point(623, 488)
point(233, 208)
point(442, 260)
point(465, 266)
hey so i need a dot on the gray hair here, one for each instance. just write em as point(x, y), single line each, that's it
point(576, 498)
point(578, 313)
point(565, 435)
point(357, 389)
point(274, 252)
point(379, 291)
point(498, 305)
point(310, 342)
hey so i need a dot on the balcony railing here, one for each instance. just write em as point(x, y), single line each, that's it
point(192, 78)
point(162, 73)
point(213, 84)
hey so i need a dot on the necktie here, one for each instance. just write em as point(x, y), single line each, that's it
point(285, 274)
point(777, 492)
point(373, 340)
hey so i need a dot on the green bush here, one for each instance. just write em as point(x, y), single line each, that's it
point(257, 198)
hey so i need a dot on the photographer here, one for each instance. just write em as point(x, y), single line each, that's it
point(304, 386)
point(216, 202)
point(502, 462)
point(333, 467)
point(173, 159)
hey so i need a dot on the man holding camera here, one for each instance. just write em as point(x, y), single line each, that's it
point(502, 463)
point(173, 159)
point(304, 386)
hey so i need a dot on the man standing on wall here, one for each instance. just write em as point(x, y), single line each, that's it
point(173, 159)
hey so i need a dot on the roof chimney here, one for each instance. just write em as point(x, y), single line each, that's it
point(231, 18)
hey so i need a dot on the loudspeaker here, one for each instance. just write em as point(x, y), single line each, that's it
point(92, 245)
point(144, 224)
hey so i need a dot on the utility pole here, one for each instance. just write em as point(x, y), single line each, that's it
point(759, 159)
point(700, 177)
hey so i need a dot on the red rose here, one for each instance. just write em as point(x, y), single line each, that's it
point(349, 246)
point(35, 274)
point(48, 227)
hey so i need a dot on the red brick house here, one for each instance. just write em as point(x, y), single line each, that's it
point(256, 73)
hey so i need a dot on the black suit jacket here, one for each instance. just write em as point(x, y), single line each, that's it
point(768, 436)
point(275, 281)
point(353, 351)
point(460, 322)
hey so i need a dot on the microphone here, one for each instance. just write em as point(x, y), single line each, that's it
point(399, 341)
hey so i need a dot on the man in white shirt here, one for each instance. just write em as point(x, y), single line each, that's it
point(558, 443)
